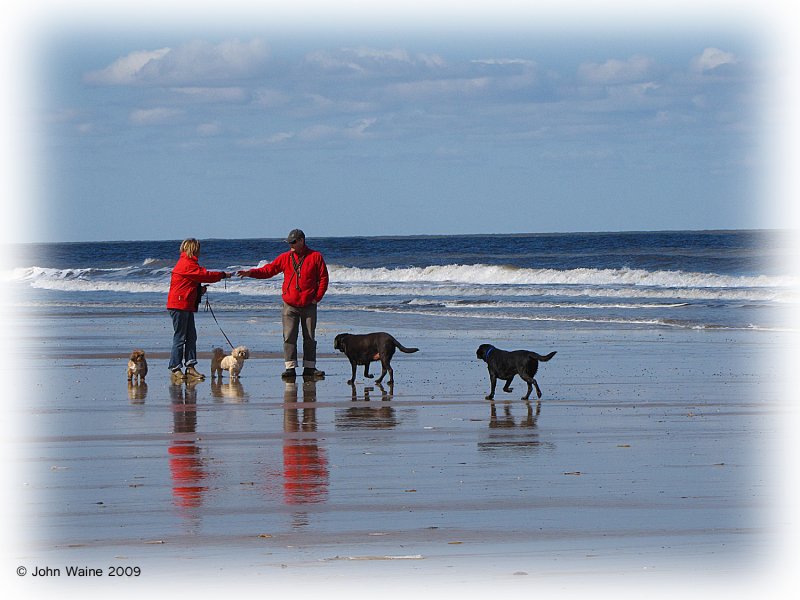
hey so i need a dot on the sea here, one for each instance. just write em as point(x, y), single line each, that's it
point(691, 280)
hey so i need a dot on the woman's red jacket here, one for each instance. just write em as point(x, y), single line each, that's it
point(184, 288)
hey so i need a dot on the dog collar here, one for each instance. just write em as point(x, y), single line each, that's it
point(488, 352)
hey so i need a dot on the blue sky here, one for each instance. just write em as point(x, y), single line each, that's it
point(255, 125)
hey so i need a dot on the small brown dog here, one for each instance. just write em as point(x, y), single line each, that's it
point(137, 366)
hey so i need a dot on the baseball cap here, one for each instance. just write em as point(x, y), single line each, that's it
point(294, 235)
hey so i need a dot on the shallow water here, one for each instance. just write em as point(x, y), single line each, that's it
point(649, 451)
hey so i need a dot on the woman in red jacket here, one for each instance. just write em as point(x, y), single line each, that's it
point(183, 299)
point(305, 281)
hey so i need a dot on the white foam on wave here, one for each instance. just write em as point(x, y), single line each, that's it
point(505, 275)
point(448, 281)
point(522, 317)
point(570, 319)
point(81, 285)
point(677, 294)
point(545, 305)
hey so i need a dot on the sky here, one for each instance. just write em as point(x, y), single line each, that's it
point(396, 123)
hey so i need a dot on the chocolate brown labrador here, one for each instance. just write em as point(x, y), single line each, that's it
point(365, 348)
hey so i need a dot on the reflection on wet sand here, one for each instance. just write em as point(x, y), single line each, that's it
point(506, 432)
point(185, 463)
point(137, 392)
point(233, 391)
point(305, 466)
point(381, 416)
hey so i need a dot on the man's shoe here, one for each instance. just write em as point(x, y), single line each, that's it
point(177, 376)
point(288, 375)
point(312, 373)
point(192, 374)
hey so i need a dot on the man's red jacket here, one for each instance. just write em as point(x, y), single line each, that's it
point(298, 290)
point(184, 288)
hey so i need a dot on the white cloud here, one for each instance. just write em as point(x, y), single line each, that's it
point(504, 61)
point(314, 133)
point(354, 130)
point(438, 88)
point(125, 70)
point(197, 61)
point(365, 60)
point(154, 116)
point(271, 98)
point(213, 94)
point(279, 137)
point(359, 128)
point(209, 129)
point(317, 132)
point(710, 59)
point(613, 71)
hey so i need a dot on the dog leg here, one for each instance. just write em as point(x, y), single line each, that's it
point(528, 394)
point(353, 375)
point(493, 381)
point(507, 387)
point(383, 373)
point(366, 371)
point(538, 391)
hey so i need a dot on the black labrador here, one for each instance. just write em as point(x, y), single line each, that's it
point(504, 365)
point(363, 349)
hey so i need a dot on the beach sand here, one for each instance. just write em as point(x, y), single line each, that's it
point(649, 460)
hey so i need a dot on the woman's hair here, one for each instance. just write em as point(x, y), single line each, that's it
point(191, 247)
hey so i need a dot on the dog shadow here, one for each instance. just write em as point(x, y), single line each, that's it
point(515, 434)
point(232, 391)
point(365, 416)
point(385, 394)
point(137, 392)
point(507, 420)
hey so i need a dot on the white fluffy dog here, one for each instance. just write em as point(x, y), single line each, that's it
point(232, 363)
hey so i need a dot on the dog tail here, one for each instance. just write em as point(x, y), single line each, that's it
point(546, 357)
point(402, 348)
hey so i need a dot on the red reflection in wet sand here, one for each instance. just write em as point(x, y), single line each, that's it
point(185, 463)
point(305, 467)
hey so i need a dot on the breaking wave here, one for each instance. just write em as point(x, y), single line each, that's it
point(450, 281)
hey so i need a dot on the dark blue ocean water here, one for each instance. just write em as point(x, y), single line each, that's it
point(697, 280)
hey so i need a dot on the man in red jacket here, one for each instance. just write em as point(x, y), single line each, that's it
point(185, 289)
point(305, 281)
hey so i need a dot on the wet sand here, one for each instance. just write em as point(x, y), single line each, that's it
point(649, 460)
